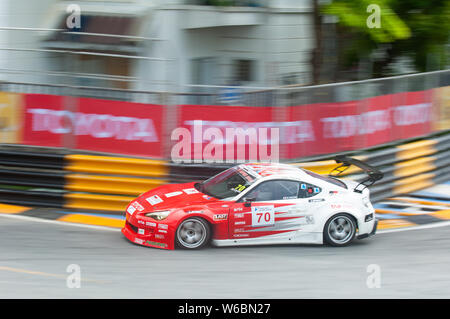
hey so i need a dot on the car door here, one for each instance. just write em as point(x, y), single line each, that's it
point(275, 208)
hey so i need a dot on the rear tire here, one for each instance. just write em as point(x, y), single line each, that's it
point(340, 230)
point(193, 233)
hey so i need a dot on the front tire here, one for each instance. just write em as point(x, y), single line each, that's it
point(339, 230)
point(193, 233)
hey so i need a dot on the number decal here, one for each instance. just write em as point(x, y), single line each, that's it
point(263, 216)
point(240, 188)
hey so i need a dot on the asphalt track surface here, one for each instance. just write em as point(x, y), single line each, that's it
point(35, 254)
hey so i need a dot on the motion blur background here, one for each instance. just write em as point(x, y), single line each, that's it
point(83, 74)
point(92, 91)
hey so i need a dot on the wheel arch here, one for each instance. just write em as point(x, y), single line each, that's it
point(334, 213)
point(203, 217)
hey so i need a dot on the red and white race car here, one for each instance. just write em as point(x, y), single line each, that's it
point(257, 203)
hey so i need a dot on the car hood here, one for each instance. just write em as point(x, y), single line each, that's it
point(173, 196)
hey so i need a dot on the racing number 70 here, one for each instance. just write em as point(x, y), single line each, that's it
point(263, 215)
point(266, 217)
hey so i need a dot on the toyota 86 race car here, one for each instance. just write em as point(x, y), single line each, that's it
point(256, 203)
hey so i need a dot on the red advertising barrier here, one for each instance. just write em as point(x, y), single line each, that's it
point(42, 120)
point(313, 129)
point(96, 125)
point(221, 133)
point(212, 133)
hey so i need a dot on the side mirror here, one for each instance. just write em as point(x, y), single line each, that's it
point(248, 200)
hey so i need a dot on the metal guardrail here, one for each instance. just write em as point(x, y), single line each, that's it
point(241, 95)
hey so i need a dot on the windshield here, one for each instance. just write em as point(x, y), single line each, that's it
point(229, 183)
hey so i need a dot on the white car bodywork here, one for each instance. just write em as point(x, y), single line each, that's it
point(312, 213)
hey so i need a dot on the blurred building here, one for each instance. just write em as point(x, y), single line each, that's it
point(157, 45)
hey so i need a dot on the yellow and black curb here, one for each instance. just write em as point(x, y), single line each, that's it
point(63, 215)
point(425, 207)
point(78, 181)
point(49, 178)
point(430, 205)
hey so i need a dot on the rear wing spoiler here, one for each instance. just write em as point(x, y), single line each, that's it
point(373, 174)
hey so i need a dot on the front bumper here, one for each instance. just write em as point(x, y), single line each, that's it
point(151, 234)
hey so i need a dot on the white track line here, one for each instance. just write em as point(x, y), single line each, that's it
point(41, 220)
point(427, 226)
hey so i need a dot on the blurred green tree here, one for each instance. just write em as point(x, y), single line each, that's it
point(418, 29)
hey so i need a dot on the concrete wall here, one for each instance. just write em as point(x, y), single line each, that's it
point(279, 41)
point(24, 14)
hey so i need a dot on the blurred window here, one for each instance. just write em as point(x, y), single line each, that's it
point(243, 70)
point(308, 190)
point(275, 190)
point(229, 183)
point(102, 25)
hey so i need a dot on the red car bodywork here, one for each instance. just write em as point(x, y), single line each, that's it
point(227, 218)
point(184, 201)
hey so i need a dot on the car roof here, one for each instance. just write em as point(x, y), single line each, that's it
point(275, 170)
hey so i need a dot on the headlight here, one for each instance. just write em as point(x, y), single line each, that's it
point(159, 215)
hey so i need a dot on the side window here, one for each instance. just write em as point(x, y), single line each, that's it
point(275, 190)
point(308, 190)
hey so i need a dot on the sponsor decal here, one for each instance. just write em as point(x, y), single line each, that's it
point(100, 125)
point(141, 222)
point(94, 125)
point(190, 191)
point(239, 215)
point(163, 226)
point(159, 236)
point(290, 132)
point(150, 224)
point(194, 212)
point(141, 231)
point(138, 241)
point(138, 206)
point(316, 200)
point(162, 231)
point(155, 199)
point(168, 195)
point(218, 217)
point(306, 220)
point(263, 216)
point(131, 210)
point(207, 197)
point(240, 223)
point(239, 230)
point(240, 235)
point(239, 209)
point(358, 124)
point(336, 206)
point(154, 243)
